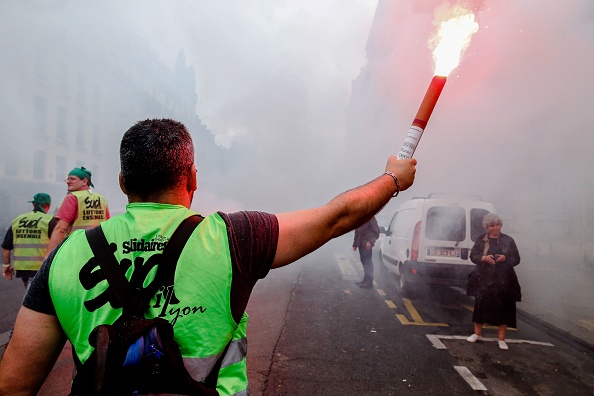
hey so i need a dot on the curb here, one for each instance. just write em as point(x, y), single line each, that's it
point(554, 331)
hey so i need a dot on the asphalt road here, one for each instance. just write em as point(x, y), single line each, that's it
point(312, 331)
point(334, 338)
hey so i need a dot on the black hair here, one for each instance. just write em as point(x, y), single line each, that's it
point(155, 156)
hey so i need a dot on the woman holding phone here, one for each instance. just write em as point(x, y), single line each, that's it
point(495, 255)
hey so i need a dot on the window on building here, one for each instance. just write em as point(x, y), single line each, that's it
point(40, 115)
point(80, 131)
point(61, 168)
point(62, 78)
point(81, 95)
point(62, 124)
point(95, 169)
point(39, 165)
point(96, 138)
point(96, 100)
point(11, 164)
point(40, 65)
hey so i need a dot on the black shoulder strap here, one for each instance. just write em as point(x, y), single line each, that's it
point(116, 278)
point(171, 254)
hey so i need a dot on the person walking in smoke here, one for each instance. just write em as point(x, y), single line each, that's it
point(27, 238)
point(217, 269)
point(365, 237)
point(82, 208)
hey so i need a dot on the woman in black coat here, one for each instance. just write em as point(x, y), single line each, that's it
point(494, 282)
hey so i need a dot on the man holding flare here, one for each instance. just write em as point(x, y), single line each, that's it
point(219, 266)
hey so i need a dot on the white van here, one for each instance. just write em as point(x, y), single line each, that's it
point(429, 240)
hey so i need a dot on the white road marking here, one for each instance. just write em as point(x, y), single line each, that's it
point(460, 289)
point(436, 340)
point(474, 383)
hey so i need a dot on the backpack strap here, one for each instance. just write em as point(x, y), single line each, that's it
point(104, 256)
point(134, 301)
point(171, 253)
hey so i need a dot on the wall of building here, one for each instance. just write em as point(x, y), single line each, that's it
point(69, 96)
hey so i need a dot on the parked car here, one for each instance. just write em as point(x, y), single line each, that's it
point(428, 240)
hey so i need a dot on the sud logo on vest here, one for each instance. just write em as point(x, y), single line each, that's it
point(93, 203)
point(28, 228)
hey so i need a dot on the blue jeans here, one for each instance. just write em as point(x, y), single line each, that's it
point(365, 256)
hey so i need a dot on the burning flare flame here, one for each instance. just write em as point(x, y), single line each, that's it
point(451, 39)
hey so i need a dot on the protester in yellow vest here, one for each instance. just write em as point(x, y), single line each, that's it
point(219, 266)
point(82, 208)
point(27, 239)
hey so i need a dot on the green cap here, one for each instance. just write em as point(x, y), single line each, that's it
point(83, 173)
point(42, 198)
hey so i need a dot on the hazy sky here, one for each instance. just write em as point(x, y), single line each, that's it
point(276, 76)
point(247, 54)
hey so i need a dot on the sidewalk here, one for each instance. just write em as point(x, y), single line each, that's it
point(559, 297)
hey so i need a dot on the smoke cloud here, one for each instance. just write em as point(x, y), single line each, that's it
point(511, 124)
point(310, 98)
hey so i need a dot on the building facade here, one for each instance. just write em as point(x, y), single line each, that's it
point(68, 96)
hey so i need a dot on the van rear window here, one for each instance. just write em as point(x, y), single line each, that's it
point(446, 223)
point(476, 223)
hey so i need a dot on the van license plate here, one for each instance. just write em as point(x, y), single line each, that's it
point(444, 252)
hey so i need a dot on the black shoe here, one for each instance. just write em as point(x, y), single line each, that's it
point(360, 282)
point(366, 285)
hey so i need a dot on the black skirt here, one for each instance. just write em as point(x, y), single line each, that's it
point(494, 307)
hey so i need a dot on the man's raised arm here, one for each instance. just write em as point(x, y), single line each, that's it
point(301, 232)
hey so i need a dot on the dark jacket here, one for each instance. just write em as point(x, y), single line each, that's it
point(368, 232)
point(506, 246)
point(500, 278)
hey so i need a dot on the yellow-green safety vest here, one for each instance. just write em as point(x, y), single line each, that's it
point(198, 304)
point(30, 240)
point(92, 210)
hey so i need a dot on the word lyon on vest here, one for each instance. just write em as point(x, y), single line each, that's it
point(91, 275)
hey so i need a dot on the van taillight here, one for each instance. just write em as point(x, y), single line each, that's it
point(415, 242)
